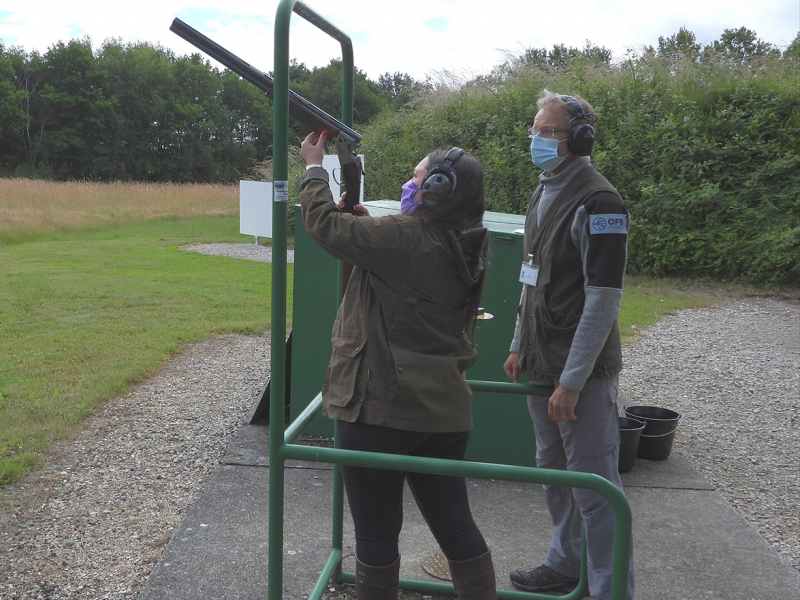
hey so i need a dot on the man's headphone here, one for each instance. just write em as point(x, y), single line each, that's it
point(440, 181)
point(581, 135)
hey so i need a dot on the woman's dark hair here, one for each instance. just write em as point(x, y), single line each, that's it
point(466, 204)
point(461, 216)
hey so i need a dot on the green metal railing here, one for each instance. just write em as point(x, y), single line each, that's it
point(280, 166)
point(622, 532)
point(281, 447)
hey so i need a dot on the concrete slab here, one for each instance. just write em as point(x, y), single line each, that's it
point(689, 543)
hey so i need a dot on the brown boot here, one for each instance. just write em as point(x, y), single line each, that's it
point(377, 583)
point(474, 578)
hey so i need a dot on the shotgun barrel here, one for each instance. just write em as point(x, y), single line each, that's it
point(299, 108)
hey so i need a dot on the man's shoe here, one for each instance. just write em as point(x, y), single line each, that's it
point(542, 579)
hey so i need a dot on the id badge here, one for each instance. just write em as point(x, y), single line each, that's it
point(529, 274)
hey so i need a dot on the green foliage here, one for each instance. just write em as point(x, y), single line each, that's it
point(715, 191)
point(702, 143)
point(138, 112)
point(323, 87)
point(11, 115)
point(127, 112)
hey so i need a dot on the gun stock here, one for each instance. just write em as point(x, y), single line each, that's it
point(352, 170)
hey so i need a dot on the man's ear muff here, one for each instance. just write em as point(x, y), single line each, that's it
point(581, 128)
point(441, 180)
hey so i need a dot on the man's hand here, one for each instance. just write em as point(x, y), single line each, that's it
point(511, 367)
point(313, 148)
point(561, 406)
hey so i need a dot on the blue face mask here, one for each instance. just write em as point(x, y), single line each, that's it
point(407, 202)
point(544, 153)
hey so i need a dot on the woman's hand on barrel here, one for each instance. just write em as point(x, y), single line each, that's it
point(312, 148)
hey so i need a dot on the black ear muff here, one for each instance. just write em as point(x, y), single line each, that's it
point(581, 128)
point(441, 180)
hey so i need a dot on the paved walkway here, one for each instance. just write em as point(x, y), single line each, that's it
point(689, 543)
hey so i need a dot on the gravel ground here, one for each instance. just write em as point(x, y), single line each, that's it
point(94, 521)
point(246, 251)
point(733, 372)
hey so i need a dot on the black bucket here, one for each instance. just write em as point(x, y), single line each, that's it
point(661, 424)
point(629, 434)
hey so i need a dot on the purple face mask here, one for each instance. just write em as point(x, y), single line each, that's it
point(407, 202)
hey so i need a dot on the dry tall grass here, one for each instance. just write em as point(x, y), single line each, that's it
point(28, 205)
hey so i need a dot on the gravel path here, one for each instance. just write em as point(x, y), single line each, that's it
point(246, 251)
point(94, 521)
point(733, 372)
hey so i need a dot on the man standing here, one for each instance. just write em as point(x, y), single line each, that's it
point(567, 335)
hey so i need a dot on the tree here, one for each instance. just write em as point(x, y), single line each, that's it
point(29, 79)
point(323, 87)
point(680, 46)
point(83, 117)
point(400, 87)
point(739, 47)
point(195, 109)
point(12, 117)
point(792, 52)
point(139, 78)
point(247, 132)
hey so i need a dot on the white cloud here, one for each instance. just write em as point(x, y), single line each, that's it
point(390, 36)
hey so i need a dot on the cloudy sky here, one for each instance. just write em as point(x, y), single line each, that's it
point(418, 37)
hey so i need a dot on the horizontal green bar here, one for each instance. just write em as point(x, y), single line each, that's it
point(433, 587)
point(310, 411)
point(502, 387)
point(418, 464)
point(464, 468)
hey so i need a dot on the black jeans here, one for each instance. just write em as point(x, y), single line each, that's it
point(376, 495)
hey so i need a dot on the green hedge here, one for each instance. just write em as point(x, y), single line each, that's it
point(705, 151)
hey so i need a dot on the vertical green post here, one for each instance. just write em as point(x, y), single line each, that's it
point(277, 370)
point(337, 525)
point(280, 173)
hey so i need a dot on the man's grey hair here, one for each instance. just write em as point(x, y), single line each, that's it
point(546, 98)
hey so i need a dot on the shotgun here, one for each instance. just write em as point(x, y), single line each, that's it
point(344, 138)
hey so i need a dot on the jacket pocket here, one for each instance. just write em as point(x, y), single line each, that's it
point(345, 380)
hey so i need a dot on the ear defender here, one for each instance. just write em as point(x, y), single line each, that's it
point(441, 180)
point(581, 135)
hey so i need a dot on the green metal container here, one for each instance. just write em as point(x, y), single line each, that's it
point(502, 428)
point(502, 432)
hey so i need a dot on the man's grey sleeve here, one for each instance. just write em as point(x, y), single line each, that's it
point(515, 342)
point(600, 311)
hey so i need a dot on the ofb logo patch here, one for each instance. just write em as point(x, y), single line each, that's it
point(608, 224)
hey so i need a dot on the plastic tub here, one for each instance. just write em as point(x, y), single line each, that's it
point(658, 435)
point(629, 434)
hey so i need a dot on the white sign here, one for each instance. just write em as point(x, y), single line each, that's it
point(255, 208)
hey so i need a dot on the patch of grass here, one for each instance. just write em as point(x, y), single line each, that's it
point(85, 314)
point(30, 208)
point(645, 301)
